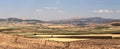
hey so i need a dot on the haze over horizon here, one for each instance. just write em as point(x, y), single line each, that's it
point(59, 9)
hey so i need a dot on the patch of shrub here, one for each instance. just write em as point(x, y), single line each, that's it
point(115, 24)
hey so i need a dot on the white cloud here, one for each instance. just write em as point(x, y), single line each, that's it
point(60, 11)
point(103, 11)
point(50, 9)
point(39, 10)
point(52, 12)
point(106, 11)
point(117, 11)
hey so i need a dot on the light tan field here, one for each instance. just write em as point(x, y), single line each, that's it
point(59, 37)
point(64, 39)
point(15, 42)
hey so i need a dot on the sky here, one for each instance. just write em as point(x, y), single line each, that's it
point(59, 9)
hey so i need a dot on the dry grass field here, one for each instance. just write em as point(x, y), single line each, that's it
point(44, 37)
point(15, 42)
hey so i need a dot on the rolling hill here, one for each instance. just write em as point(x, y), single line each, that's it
point(84, 20)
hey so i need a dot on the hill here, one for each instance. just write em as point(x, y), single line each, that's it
point(17, 20)
point(78, 21)
point(84, 20)
point(15, 42)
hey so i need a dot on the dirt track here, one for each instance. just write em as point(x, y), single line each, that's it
point(16, 42)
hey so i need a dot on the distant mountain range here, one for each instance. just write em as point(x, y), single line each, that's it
point(85, 20)
point(67, 21)
point(14, 20)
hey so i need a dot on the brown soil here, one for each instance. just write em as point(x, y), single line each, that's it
point(15, 42)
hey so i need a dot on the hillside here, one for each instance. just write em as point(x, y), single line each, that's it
point(84, 20)
point(17, 20)
point(15, 42)
point(80, 21)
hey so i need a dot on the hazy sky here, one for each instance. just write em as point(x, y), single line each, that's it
point(59, 9)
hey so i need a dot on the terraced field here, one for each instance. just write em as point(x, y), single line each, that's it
point(9, 41)
point(37, 37)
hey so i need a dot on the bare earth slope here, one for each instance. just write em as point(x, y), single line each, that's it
point(15, 42)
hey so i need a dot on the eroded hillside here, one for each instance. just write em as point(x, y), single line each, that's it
point(15, 42)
